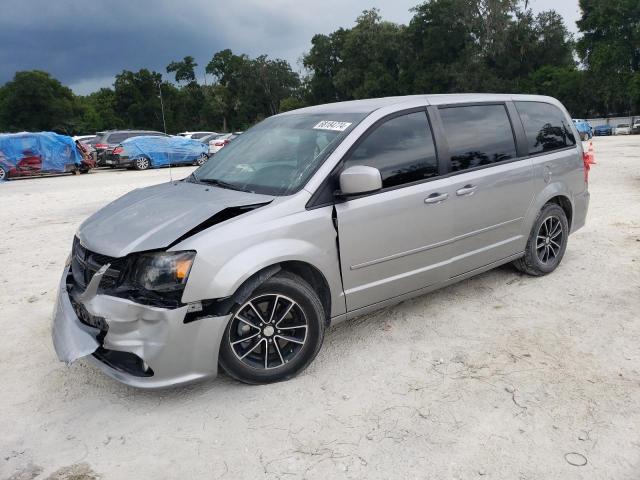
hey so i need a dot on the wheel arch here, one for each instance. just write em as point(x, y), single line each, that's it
point(309, 273)
point(563, 202)
point(553, 193)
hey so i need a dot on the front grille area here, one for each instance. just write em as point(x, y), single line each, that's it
point(85, 264)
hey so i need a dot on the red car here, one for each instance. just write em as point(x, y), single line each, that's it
point(29, 154)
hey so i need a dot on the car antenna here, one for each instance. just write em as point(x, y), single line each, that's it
point(164, 124)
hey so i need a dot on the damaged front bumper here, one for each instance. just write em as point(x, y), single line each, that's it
point(139, 345)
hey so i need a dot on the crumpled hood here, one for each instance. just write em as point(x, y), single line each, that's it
point(154, 217)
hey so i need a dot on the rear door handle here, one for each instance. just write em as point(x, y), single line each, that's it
point(467, 190)
point(436, 198)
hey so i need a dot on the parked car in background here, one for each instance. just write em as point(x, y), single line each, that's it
point(220, 141)
point(110, 139)
point(584, 129)
point(603, 130)
point(142, 153)
point(31, 154)
point(622, 129)
point(88, 142)
point(86, 139)
point(196, 135)
point(635, 128)
point(313, 217)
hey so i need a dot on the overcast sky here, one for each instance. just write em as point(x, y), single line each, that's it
point(86, 43)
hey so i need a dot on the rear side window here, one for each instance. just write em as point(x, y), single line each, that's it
point(401, 148)
point(478, 135)
point(546, 127)
point(117, 137)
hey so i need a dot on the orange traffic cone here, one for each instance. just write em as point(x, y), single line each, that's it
point(591, 155)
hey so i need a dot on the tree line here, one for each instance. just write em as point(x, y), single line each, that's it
point(448, 46)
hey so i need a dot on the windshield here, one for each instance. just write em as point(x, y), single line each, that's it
point(279, 155)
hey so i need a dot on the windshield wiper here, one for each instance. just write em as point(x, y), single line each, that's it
point(220, 183)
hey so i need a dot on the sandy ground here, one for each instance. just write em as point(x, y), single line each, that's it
point(502, 376)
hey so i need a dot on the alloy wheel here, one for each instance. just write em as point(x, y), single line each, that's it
point(3, 174)
point(202, 159)
point(142, 163)
point(549, 240)
point(268, 331)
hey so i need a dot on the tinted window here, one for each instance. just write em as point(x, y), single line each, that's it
point(478, 135)
point(546, 127)
point(117, 137)
point(401, 148)
point(197, 136)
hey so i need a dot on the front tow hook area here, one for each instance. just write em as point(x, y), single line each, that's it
point(71, 338)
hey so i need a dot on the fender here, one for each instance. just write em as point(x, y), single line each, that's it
point(237, 269)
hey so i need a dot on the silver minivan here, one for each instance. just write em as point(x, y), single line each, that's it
point(313, 217)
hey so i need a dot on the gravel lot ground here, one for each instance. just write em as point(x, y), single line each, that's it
point(500, 376)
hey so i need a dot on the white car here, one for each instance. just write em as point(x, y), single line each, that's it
point(622, 129)
point(217, 142)
point(195, 135)
point(84, 138)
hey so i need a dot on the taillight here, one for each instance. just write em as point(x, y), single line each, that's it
point(221, 143)
point(101, 145)
point(118, 150)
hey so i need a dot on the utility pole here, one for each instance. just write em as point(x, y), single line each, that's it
point(164, 123)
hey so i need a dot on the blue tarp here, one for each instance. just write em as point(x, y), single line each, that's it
point(55, 151)
point(164, 150)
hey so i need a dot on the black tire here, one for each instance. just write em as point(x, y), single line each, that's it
point(542, 240)
point(4, 174)
point(291, 358)
point(201, 160)
point(142, 163)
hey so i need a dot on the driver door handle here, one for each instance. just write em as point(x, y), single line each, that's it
point(436, 198)
point(467, 190)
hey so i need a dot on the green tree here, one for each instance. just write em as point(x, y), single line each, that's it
point(610, 50)
point(34, 100)
point(276, 81)
point(137, 100)
point(184, 70)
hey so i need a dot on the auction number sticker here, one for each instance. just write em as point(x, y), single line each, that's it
point(331, 125)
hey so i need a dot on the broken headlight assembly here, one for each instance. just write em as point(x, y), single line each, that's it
point(150, 278)
point(162, 271)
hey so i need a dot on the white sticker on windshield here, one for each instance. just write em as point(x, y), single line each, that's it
point(331, 125)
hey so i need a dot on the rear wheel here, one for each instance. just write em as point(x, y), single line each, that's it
point(276, 333)
point(141, 163)
point(547, 242)
point(4, 174)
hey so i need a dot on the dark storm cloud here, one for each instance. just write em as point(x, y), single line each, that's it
point(85, 43)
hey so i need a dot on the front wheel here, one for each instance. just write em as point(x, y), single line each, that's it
point(547, 242)
point(202, 159)
point(4, 174)
point(141, 163)
point(276, 333)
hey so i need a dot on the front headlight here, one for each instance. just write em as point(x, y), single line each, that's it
point(163, 271)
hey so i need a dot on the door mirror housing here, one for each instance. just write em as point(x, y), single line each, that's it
point(360, 179)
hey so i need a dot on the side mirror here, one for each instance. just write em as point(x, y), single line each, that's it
point(360, 179)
